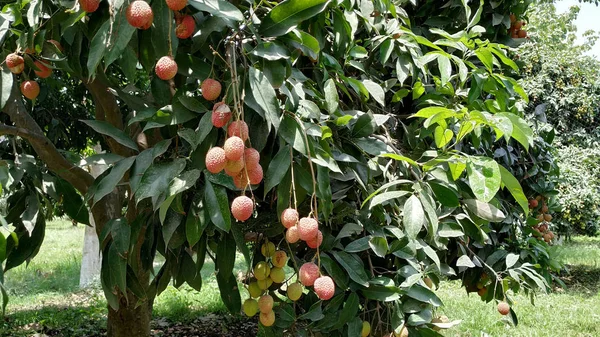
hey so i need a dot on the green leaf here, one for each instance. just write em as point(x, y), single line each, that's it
point(413, 217)
point(288, 14)
point(73, 204)
point(358, 245)
point(104, 186)
point(379, 245)
point(522, 133)
point(331, 96)
point(434, 110)
point(163, 29)
point(486, 57)
point(376, 91)
point(364, 126)
point(97, 48)
point(220, 8)
point(445, 195)
point(119, 39)
point(484, 177)
point(303, 41)
point(278, 167)
point(465, 261)
point(353, 266)
point(265, 97)
point(514, 187)
point(230, 293)
point(291, 131)
point(456, 168)
point(226, 254)
point(194, 224)
point(2, 248)
point(445, 68)
point(484, 210)
point(338, 275)
point(6, 78)
point(349, 311)
point(442, 136)
point(400, 158)
point(108, 129)
point(386, 196)
point(156, 180)
point(511, 260)
point(423, 294)
point(217, 205)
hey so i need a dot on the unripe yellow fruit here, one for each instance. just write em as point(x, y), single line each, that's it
point(254, 290)
point(265, 303)
point(366, 329)
point(294, 291)
point(261, 270)
point(267, 319)
point(250, 307)
point(267, 249)
point(265, 284)
point(277, 275)
point(279, 259)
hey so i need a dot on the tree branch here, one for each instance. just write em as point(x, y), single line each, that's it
point(26, 127)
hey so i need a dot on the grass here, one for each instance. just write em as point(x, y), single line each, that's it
point(46, 294)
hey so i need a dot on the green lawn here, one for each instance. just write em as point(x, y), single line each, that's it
point(46, 294)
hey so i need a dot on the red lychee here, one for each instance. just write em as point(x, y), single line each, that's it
point(44, 71)
point(221, 115)
point(242, 208)
point(255, 176)
point(241, 180)
point(324, 287)
point(289, 217)
point(234, 148)
point(15, 63)
point(30, 89)
point(316, 242)
point(166, 68)
point(308, 229)
point(139, 14)
point(238, 128)
point(185, 27)
point(503, 308)
point(291, 235)
point(176, 5)
point(215, 160)
point(308, 273)
point(211, 89)
point(89, 6)
point(234, 167)
point(252, 157)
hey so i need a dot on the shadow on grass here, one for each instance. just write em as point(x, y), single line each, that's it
point(580, 278)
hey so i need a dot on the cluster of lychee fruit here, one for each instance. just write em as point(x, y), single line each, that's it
point(16, 64)
point(543, 218)
point(516, 28)
point(305, 229)
point(266, 273)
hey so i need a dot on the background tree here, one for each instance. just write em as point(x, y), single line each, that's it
point(394, 131)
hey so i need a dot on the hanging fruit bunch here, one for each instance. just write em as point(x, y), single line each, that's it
point(516, 28)
point(541, 228)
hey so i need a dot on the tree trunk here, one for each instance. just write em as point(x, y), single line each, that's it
point(130, 321)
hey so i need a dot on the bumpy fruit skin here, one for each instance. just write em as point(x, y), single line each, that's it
point(176, 5)
point(267, 319)
point(533, 203)
point(185, 27)
point(308, 229)
point(240, 180)
point(547, 217)
point(15, 63)
point(139, 14)
point(324, 287)
point(44, 71)
point(254, 290)
point(242, 208)
point(234, 167)
point(292, 235)
point(211, 89)
point(279, 259)
point(221, 114)
point(165, 68)
point(308, 273)
point(316, 242)
point(250, 307)
point(366, 329)
point(234, 148)
point(255, 175)
point(239, 129)
point(261, 270)
point(267, 249)
point(265, 303)
point(251, 156)
point(289, 217)
point(215, 160)
point(277, 275)
point(503, 308)
point(89, 6)
point(30, 89)
point(294, 291)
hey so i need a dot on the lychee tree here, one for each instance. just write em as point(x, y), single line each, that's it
point(355, 152)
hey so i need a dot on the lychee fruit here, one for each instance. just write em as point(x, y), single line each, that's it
point(533, 203)
point(242, 208)
point(185, 27)
point(307, 228)
point(292, 235)
point(366, 329)
point(89, 6)
point(215, 160)
point(139, 14)
point(250, 307)
point(267, 249)
point(308, 273)
point(30, 89)
point(234, 148)
point(221, 114)
point(544, 209)
point(57, 45)
point(238, 128)
point(211, 89)
point(266, 283)
point(316, 242)
point(289, 217)
point(503, 308)
point(513, 18)
point(324, 287)
point(261, 270)
point(277, 275)
point(517, 25)
point(234, 167)
point(15, 63)
point(255, 175)
point(279, 259)
point(176, 5)
point(254, 290)
point(294, 291)
point(522, 34)
point(267, 319)
point(166, 68)
point(547, 217)
point(44, 71)
point(265, 303)
point(251, 157)
point(240, 180)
